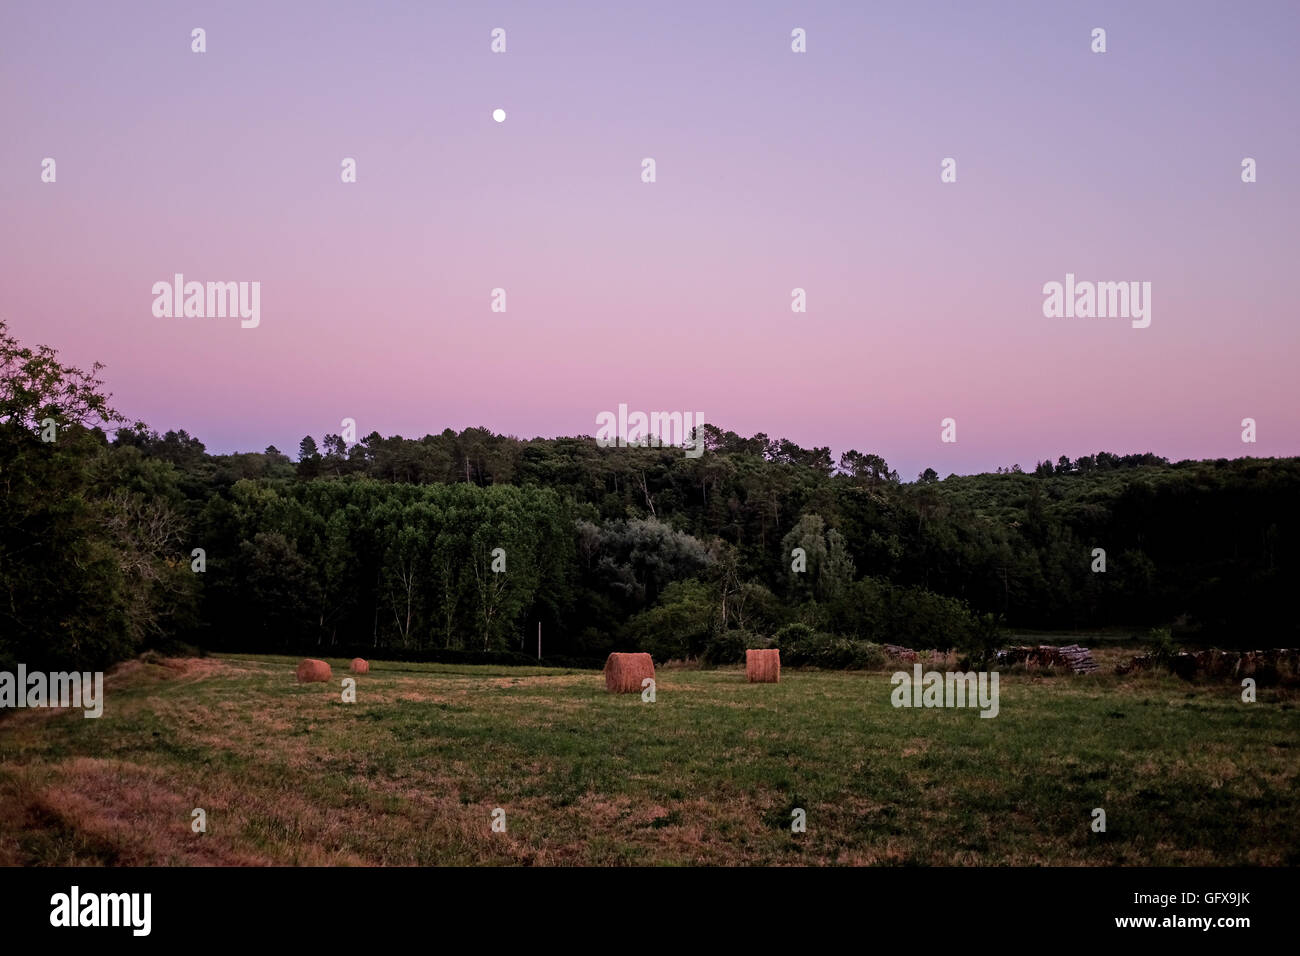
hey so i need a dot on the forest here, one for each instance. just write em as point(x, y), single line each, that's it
point(459, 545)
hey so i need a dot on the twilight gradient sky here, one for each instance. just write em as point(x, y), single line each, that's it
point(775, 170)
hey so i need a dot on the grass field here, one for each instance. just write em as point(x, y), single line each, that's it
point(708, 773)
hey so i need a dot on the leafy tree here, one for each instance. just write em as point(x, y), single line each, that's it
point(309, 459)
point(829, 568)
point(66, 561)
point(679, 626)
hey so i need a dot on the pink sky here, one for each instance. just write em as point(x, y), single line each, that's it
point(775, 170)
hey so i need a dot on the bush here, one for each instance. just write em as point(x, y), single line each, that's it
point(793, 637)
point(829, 651)
point(923, 618)
point(913, 616)
point(868, 656)
point(979, 645)
point(1161, 641)
point(677, 628)
point(729, 647)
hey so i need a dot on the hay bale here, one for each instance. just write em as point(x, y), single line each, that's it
point(624, 672)
point(763, 666)
point(359, 666)
point(313, 671)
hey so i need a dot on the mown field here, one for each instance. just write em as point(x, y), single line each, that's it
point(707, 774)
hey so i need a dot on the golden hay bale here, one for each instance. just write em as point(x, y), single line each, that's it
point(624, 672)
point(359, 666)
point(763, 666)
point(311, 671)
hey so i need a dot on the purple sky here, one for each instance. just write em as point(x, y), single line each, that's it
point(775, 170)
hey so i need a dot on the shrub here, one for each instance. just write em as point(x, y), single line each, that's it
point(1161, 641)
point(728, 647)
point(793, 637)
point(679, 627)
point(830, 651)
point(980, 643)
point(868, 656)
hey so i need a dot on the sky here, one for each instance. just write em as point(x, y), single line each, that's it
point(774, 170)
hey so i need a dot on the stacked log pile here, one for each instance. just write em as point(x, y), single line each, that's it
point(1216, 663)
point(1079, 659)
point(1072, 657)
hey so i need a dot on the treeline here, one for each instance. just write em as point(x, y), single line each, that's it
point(113, 537)
point(293, 564)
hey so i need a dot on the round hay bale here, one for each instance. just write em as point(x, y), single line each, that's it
point(763, 666)
point(624, 672)
point(313, 671)
point(359, 666)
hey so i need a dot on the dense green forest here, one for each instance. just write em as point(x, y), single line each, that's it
point(114, 538)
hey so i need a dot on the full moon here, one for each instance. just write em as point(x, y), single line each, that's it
point(499, 115)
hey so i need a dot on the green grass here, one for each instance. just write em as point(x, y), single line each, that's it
point(709, 773)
